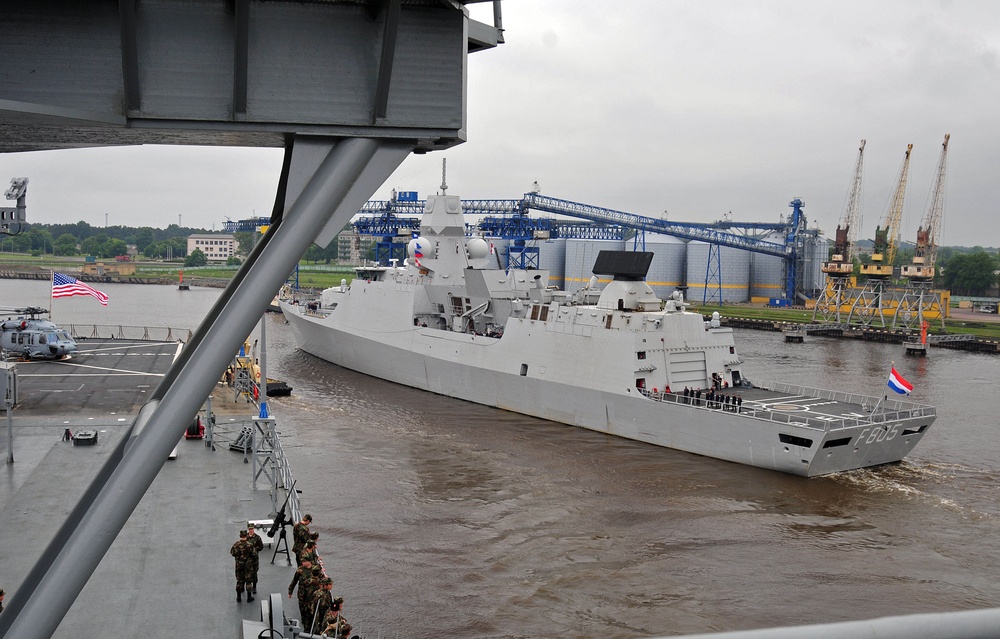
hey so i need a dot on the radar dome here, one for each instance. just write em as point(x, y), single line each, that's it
point(419, 248)
point(478, 248)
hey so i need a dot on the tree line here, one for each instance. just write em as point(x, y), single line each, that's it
point(107, 242)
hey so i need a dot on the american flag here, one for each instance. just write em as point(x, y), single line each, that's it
point(66, 286)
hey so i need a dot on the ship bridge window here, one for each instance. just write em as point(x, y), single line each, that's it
point(795, 441)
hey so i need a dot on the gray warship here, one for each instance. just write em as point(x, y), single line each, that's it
point(612, 358)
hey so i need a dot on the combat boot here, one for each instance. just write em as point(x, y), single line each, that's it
point(239, 596)
point(249, 597)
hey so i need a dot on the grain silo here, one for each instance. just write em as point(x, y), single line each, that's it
point(767, 272)
point(552, 258)
point(811, 276)
point(666, 272)
point(580, 258)
point(731, 273)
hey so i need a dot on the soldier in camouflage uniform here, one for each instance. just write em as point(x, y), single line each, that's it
point(322, 601)
point(241, 553)
point(300, 535)
point(310, 554)
point(306, 578)
point(336, 624)
point(253, 561)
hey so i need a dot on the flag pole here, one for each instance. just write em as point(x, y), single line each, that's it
point(52, 283)
point(892, 365)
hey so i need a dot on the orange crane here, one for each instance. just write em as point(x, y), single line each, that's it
point(841, 263)
point(887, 232)
point(925, 253)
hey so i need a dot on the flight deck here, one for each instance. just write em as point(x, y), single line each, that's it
point(169, 571)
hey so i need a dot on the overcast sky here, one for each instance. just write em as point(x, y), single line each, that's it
point(694, 108)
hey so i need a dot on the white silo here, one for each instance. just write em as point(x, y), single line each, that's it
point(811, 278)
point(731, 272)
point(666, 271)
point(767, 272)
point(580, 258)
point(552, 258)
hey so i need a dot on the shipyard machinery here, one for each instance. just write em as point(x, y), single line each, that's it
point(835, 297)
point(870, 302)
point(12, 219)
point(916, 300)
point(509, 219)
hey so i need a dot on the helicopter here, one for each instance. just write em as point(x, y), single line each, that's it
point(31, 337)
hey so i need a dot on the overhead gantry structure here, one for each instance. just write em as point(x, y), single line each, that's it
point(342, 86)
point(509, 218)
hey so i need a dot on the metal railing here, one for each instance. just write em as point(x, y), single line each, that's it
point(889, 410)
point(140, 333)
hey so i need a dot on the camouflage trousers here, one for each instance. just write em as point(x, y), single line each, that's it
point(243, 577)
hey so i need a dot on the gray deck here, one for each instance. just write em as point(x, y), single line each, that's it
point(811, 408)
point(169, 573)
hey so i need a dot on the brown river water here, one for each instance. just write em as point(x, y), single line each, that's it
point(441, 518)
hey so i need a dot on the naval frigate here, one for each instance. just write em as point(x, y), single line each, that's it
point(610, 358)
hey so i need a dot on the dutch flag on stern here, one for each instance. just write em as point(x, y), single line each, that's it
point(898, 384)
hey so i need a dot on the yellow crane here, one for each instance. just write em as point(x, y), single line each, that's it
point(841, 263)
point(887, 232)
point(925, 253)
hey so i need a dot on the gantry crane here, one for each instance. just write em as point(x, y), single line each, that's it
point(916, 301)
point(841, 264)
point(887, 232)
point(925, 253)
point(869, 304)
point(842, 260)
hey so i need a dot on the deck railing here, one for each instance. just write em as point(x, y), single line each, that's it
point(889, 410)
point(118, 331)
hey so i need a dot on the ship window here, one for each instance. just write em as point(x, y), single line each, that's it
point(641, 355)
point(732, 350)
point(543, 313)
point(640, 383)
point(524, 370)
point(833, 443)
point(795, 441)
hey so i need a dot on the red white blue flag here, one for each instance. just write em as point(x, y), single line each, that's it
point(898, 384)
point(66, 286)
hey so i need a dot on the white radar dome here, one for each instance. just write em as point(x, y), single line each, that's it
point(419, 248)
point(478, 248)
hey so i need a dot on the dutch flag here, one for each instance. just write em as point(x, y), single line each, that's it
point(898, 384)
